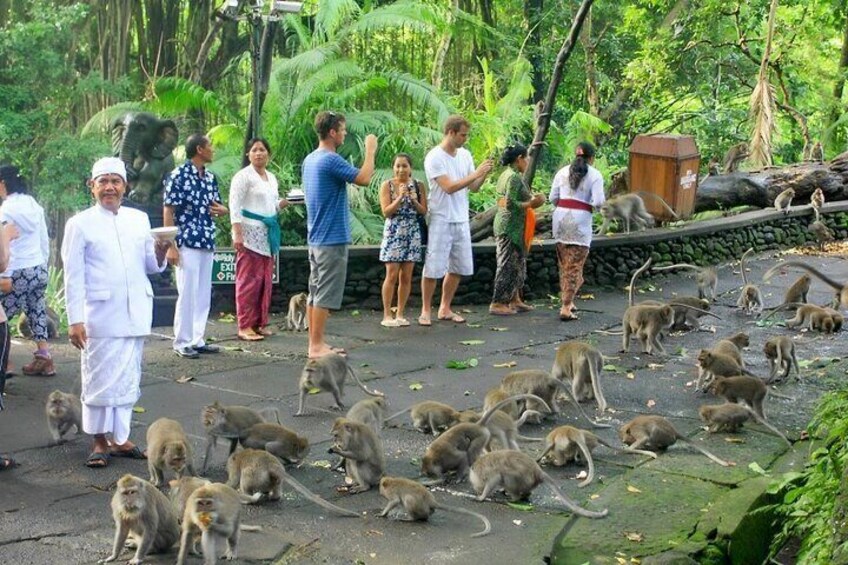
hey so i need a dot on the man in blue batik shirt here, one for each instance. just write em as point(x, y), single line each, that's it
point(191, 200)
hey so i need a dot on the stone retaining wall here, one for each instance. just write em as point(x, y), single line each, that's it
point(610, 263)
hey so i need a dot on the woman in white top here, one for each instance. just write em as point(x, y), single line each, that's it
point(577, 190)
point(24, 282)
point(254, 192)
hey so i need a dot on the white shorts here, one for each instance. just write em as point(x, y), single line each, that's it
point(448, 249)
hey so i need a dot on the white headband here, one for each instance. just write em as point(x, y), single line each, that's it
point(109, 166)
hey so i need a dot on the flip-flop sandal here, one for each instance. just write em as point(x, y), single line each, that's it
point(339, 351)
point(568, 317)
point(134, 453)
point(97, 460)
point(454, 317)
point(250, 337)
point(425, 321)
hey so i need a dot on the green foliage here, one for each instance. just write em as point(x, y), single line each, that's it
point(813, 500)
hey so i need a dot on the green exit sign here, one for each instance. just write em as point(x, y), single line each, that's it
point(224, 267)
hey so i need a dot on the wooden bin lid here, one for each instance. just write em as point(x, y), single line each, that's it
point(665, 145)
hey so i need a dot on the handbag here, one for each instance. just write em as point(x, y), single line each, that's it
point(422, 220)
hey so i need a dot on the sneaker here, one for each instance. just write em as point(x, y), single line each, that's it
point(40, 366)
point(208, 348)
point(187, 352)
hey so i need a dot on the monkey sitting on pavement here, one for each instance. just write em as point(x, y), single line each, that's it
point(657, 434)
point(711, 365)
point(143, 513)
point(167, 447)
point(296, 318)
point(254, 471)
point(751, 390)
point(419, 503)
point(362, 450)
point(501, 425)
point(328, 374)
point(780, 352)
point(729, 417)
point(517, 475)
point(567, 443)
point(732, 347)
point(64, 412)
point(750, 299)
point(228, 422)
point(213, 512)
point(430, 417)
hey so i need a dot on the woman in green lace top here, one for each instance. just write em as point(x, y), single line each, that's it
point(514, 198)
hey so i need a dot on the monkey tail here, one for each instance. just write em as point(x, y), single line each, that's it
point(636, 274)
point(801, 265)
point(661, 200)
point(525, 438)
point(774, 430)
point(524, 415)
point(697, 447)
point(365, 389)
point(704, 312)
point(580, 408)
point(784, 306)
point(487, 526)
point(595, 367)
point(249, 528)
point(607, 332)
point(650, 454)
point(317, 499)
point(678, 266)
point(488, 413)
point(742, 265)
point(776, 394)
point(587, 454)
point(250, 499)
point(395, 415)
point(570, 504)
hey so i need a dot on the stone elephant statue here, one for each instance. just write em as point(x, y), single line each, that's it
point(145, 144)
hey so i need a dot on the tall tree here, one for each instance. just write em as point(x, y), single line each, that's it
point(762, 103)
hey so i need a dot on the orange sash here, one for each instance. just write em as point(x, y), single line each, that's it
point(529, 227)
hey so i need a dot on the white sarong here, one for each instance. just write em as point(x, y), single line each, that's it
point(113, 420)
point(111, 371)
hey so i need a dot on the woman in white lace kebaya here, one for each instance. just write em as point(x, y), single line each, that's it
point(577, 190)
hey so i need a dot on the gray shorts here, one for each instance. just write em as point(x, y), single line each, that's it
point(327, 274)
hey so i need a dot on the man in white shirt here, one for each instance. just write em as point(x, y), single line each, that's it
point(451, 174)
point(108, 251)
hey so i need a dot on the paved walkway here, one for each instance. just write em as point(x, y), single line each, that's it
point(55, 510)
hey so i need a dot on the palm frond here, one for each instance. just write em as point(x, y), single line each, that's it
point(294, 23)
point(360, 90)
point(762, 116)
point(422, 93)
point(520, 87)
point(332, 14)
point(320, 83)
point(102, 120)
point(176, 95)
point(365, 226)
point(363, 123)
point(408, 14)
point(307, 61)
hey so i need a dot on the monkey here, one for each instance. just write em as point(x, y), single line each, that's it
point(458, 448)
point(277, 440)
point(362, 451)
point(687, 312)
point(783, 201)
point(841, 289)
point(580, 364)
point(369, 411)
point(419, 503)
point(502, 426)
point(495, 395)
point(182, 488)
point(732, 347)
point(630, 208)
point(430, 416)
point(647, 322)
point(713, 167)
point(817, 152)
point(631, 300)
point(64, 412)
point(705, 277)
point(517, 474)
point(228, 422)
point(145, 514)
point(167, 447)
point(567, 443)
point(750, 299)
point(296, 317)
point(817, 318)
point(254, 471)
point(798, 291)
point(213, 512)
point(712, 365)
point(619, 182)
point(545, 386)
point(729, 417)
point(750, 389)
point(780, 352)
point(822, 232)
point(837, 317)
point(328, 374)
point(52, 324)
point(734, 156)
point(817, 201)
point(655, 433)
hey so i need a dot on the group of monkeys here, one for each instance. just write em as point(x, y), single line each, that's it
point(481, 447)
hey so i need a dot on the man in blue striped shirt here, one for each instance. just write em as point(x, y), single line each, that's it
point(325, 178)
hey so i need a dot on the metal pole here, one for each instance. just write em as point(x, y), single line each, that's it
point(255, 43)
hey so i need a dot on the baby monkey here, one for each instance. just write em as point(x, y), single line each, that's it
point(64, 412)
point(822, 233)
point(817, 201)
point(729, 418)
point(705, 277)
point(296, 317)
point(657, 434)
point(750, 299)
point(780, 352)
point(563, 443)
point(419, 503)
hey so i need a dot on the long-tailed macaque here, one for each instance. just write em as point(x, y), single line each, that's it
point(841, 289)
point(328, 374)
point(750, 299)
point(64, 413)
point(729, 418)
point(654, 432)
point(780, 353)
point(168, 448)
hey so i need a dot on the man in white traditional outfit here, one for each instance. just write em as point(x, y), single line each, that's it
point(107, 252)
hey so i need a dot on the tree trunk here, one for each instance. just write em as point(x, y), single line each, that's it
point(759, 188)
point(838, 88)
point(544, 119)
point(444, 47)
point(533, 21)
point(592, 96)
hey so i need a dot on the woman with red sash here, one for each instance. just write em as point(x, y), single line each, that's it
point(577, 190)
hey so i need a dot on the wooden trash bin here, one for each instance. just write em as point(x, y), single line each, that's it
point(665, 165)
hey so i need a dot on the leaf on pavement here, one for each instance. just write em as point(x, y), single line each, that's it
point(631, 376)
point(473, 325)
point(416, 386)
point(734, 440)
point(505, 365)
point(631, 488)
point(314, 390)
point(498, 329)
point(523, 506)
point(139, 410)
point(634, 536)
point(473, 342)
point(651, 403)
point(755, 467)
point(184, 379)
point(587, 296)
